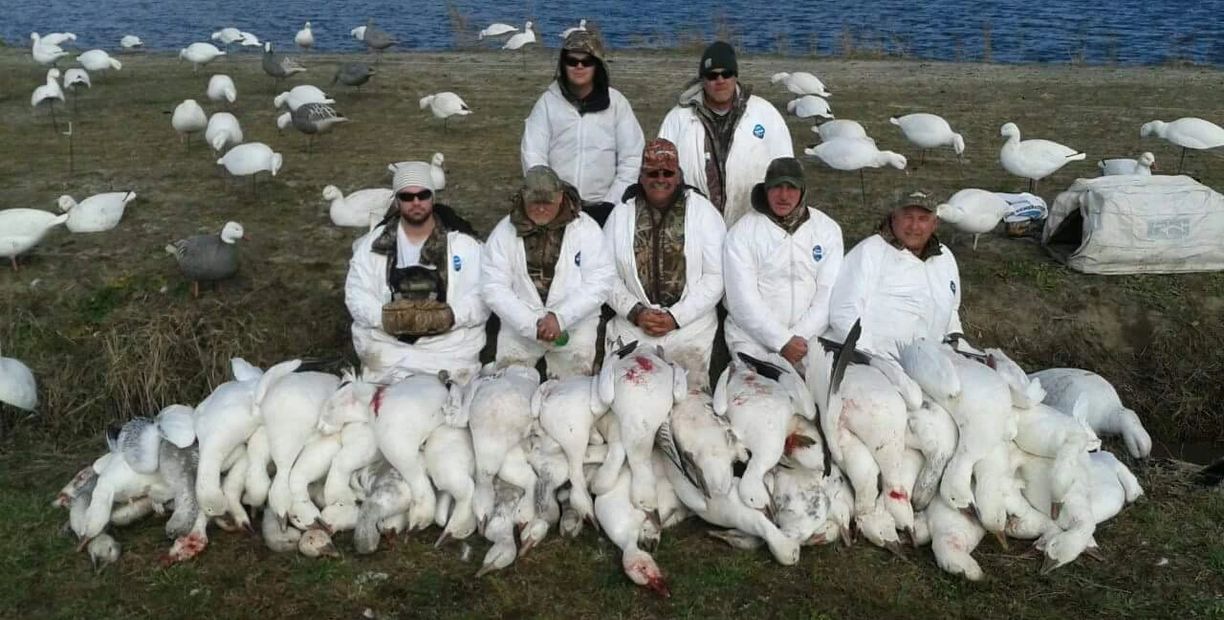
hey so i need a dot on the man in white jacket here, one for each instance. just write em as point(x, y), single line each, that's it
point(726, 136)
point(902, 282)
point(584, 129)
point(666, 243)
point(546, 273)
point(413, 288)
point(780, 262)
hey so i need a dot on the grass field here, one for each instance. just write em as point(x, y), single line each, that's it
point(111, 331)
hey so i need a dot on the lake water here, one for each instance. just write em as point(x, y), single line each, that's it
point(1125, 31)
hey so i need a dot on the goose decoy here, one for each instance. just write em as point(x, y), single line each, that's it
point(200, 54)
point(48, 94)
point(974, 211)
point(1033, 159)
point(304, 37)
point(840, 128)
point(188, 118)
point(208, 258)
point(808, 106)
point(801, 83)
point(22, 229)
point(929, 131)
point(277, 66)
point(520, 41)
point(1188, 133)
point(98, 60)
point(98, 213)
point(1120, 165)
point(496, 30)
point(221, 88)
point(852, 154)
point(130, 42)
point(223, 131)
point(376, 39)
point(353, 74)
point(313, 119)
point(582, 26)
point(445, 105)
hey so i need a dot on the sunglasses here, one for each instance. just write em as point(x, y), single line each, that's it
point(571, 61)
point(666, 174)
point(422, 195)
point(710, 76)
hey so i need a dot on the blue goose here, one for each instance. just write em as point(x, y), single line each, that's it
point(208, 257)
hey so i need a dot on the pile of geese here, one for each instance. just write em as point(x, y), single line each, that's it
point(934, 447)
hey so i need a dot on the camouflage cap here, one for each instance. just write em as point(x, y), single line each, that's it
point(660, 154)
point(584, 41)
point(916, 198)
point(540, 184)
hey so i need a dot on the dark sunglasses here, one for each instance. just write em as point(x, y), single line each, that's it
point(422, 195)
point(710, 76)
point(571, 61)
point(666, 174)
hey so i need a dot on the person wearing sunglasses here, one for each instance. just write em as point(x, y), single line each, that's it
point(546, 274)
point(584, 129)
point(413, 287)
point(726, 136)
point(780, 262)
point(666, 242)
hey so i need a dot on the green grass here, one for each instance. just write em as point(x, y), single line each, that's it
point(111, 331)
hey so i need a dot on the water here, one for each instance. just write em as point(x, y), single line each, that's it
point(1124, 31)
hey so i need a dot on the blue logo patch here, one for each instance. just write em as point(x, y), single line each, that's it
point(952, 285)
point(578, 259)
point(457, 262)
point(759, 131)
point(817, 253)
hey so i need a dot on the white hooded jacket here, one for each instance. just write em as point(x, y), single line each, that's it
point(779, 284)
point(600, 153)
point(382, 355)
point(580, 285)
point(898, 296)
point(760, 137)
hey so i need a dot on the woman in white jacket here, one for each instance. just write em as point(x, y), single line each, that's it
point(666, 243)
point(780, 262)
point(584, 129)
point(726, 136)
point(419, 254)
point(546, 273)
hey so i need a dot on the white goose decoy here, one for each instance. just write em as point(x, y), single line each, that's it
point(1071, 390)
point(929, 131)
point(299, 96)
point(227, 35)
point(98, 60)
point(437, 173)
point(850, 154)
point(22, 229)
point(497, 30)
point(809, 106)
point(54, 38)
point(76, 77)
point(249, 40)
point(250, 159)
point(1118, 166)
point(445, 105)
point(188, 118)
point(200, 54)
point(840, 128)
point(48, 94)
point(44, 51)
point(304, 37)
point(519, 41)
point(1188, 133)
point(1033, 159)
point(221, 88)
point(801, 83)
point(357, 208)
point(975, 211)
point(582, 26)
point(358, 33)
point(223, 131)
point(130, 42)
point(98, 213)
point(17, 385)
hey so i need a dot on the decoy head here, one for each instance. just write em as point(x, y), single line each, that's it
point(232, 232)
point(1008, 130)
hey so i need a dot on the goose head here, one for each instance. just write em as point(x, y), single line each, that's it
point(231, 232)
point(1152, 128)
point(317, 543)
point(284, 121)
point(949, 213)
point(1147, 160)
point(437, 160)
point(426, 101)
point(331, 192)
point(896, 160)
point(958, 144)
point(1010, 131)
point(53, 74)
point(642, 570)
point(103, 551)
point(66, 203)
point(350, 403)
point(277, 161)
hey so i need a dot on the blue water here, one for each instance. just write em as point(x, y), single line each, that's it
point(1126, 31)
